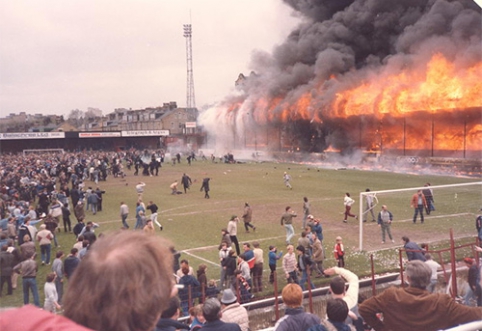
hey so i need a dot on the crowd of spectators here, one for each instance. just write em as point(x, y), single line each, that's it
point(126, 282)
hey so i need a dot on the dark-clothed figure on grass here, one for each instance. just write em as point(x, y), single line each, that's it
point(205, 187)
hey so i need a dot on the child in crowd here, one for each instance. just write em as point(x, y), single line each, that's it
point(196, 317)
point(339, 252)
point(212, 290)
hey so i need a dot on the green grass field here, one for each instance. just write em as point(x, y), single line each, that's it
point(192, 224)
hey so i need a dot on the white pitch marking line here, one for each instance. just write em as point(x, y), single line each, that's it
point(202, 259)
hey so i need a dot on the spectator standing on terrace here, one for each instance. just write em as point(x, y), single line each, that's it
point(348, 202)
point(295, 317)
point(337, 312)
point(316, 227)
point(248, 255)
point(306, 211)
point(478, 226)
point(304, 265)
point(190, 291)
point(229, 265)
point(241, 286)
point(248, 217)
point(180, 273)
point(434, 266)
point(369, 206)
point(124, 213)
point(196, 317)
point(289, 265)
point(232, 311)
point(339, 252)
point(317, 256)
point(473, 278)
point(286, 179)
point(413, 308)
point(243, 266)
point(413, 251)
point(225, 237)
point(258, 267)
point(287, 222)
point(305, 242)
point(418, 203)
point(100, 281)
point(233, 230)
point(273, 258)
point(339, 290)
point(212, 313)
point(169, 317)
point(385, 218)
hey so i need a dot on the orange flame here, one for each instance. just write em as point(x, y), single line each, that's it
point(441, 86)
point(438, 88)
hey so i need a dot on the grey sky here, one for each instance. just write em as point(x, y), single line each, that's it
point(59, 55)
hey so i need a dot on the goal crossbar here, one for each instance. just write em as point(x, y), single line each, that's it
point(364, 194)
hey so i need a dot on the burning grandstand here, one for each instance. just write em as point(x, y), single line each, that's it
point(387, 76)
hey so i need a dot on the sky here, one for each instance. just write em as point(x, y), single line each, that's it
point(57, 55)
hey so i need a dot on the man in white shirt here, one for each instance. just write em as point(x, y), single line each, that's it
point(434, 266)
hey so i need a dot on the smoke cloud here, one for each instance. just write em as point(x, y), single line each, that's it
point(339, 45)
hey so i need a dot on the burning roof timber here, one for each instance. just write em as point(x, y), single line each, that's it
point(399, 69)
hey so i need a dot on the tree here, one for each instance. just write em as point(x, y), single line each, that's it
point(75, 117)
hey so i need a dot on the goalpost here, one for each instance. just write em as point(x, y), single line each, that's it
point(451, 202)
point(43, 150)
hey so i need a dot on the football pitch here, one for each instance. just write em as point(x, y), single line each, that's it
point(192, 224)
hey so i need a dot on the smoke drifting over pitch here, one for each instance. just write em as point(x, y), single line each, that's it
point(301, 95)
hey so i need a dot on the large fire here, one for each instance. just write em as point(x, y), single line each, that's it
point(381, 75)
point(431, 107)
point(440, 87)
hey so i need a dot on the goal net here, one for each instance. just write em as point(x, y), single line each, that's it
point(43, 151)
point(454, 206)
